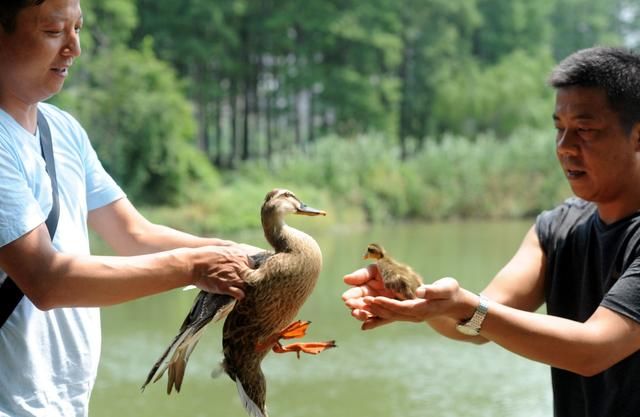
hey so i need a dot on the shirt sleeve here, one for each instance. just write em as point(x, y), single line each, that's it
point(101, 187)
point(20, 212)
point(624, 295)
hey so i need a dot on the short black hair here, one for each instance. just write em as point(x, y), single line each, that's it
point(9, 11)
point(615, 70)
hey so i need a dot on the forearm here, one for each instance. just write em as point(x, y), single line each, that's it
point(555, 341)
point(156, 238)
point(79, 281)
point(130, 233)
point(446, 326)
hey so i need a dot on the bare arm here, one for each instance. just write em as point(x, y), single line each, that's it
point(584, 348)
point(130, 233)
point(161, 259)
point(519, 284)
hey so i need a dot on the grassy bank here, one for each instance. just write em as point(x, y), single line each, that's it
point(361, 180)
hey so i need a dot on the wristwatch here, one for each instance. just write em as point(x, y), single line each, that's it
point(472, 326)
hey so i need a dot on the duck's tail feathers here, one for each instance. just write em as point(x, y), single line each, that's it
point(217, 371)
point(247, 402)
point(207, 308)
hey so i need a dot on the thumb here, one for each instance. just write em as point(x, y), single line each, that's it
point(440, 289)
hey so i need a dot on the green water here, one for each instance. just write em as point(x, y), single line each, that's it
point(399, 370)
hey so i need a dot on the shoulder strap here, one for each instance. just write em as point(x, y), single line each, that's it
point(10, 294)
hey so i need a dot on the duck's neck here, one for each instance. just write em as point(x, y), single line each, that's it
point(277, 233)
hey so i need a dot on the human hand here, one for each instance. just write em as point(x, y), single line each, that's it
point(375, 306)
point(220, 269)
point(367, 282)
point(444, 297)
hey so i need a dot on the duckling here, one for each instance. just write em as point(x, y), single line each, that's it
point(275, 290)
point(397, 277)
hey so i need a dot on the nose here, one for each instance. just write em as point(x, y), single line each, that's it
point(566, 142)
point(72, 47)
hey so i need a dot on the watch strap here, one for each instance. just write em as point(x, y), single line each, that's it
point(475, 322)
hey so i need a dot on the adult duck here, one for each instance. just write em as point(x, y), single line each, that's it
point(275, 291)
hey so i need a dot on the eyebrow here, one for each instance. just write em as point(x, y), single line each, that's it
point(56, 17)
point(580, 116)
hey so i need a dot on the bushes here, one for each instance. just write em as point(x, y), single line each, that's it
point(362, 179)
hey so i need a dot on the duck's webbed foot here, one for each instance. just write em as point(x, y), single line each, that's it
point(295, 330)
point(312, 348)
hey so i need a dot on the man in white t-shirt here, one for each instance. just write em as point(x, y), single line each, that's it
point(50, 344)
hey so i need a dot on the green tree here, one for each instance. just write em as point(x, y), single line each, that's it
point(140, 123)
point(499, 98)
point(436, 39)
point(584, 23)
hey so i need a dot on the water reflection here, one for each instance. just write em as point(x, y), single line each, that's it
point(399, 370)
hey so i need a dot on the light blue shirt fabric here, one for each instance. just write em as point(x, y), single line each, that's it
point(49, 359)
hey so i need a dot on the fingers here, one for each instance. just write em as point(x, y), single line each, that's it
point(221, 270)
point(357, 277)
point(248, 250)
point(362, 275)
point(415, 310)
point(374, 322)
point(358, 292)
point(235, 292)
point(444, 288)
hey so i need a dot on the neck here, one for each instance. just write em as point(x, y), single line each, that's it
point(610, 215)
point(275, 231)
point(616, 209)
point(24, 114)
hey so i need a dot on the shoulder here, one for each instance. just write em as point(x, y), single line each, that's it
point(66, 131)
point(61, 120)
point(564, 219)
point(572, 210)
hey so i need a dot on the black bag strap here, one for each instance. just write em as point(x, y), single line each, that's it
point(10, 294)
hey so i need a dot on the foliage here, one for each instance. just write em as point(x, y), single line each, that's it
point(501, 98)
point(253, 83)
point(141, 125)
point(361, 180)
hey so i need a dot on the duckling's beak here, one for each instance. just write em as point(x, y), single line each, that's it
point(305, 210)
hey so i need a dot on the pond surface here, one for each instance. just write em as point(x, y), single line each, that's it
point(403, 369)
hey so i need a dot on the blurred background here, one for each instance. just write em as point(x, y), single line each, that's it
point(424, 125)
point(385, 109)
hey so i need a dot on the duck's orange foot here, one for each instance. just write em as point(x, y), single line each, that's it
point(312, 348)
point(295, 330)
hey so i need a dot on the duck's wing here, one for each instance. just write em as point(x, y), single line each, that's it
point(399, 278)
point(260, 258)
point(207, 307)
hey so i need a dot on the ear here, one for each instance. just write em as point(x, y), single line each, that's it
point(635, 136)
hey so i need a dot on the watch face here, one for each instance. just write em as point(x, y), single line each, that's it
point(469, 331)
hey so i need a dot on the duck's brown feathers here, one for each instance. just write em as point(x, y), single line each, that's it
point(276, 289)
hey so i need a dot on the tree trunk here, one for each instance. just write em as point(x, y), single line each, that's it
point(405, 107)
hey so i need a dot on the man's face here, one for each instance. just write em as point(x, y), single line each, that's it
point(600, 160)
point(36, 57)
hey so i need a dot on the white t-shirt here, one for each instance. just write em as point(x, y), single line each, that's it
point(49, 359)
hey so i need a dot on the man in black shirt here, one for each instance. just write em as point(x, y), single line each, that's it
point(582, 258)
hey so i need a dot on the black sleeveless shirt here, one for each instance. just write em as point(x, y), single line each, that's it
point(591, 264)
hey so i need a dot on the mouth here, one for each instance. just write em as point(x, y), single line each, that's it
point(305, 210)
point(62, 71)
point(574, 174)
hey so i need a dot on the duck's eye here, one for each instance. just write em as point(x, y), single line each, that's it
point(370, 250)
